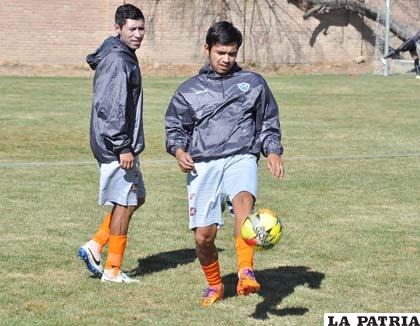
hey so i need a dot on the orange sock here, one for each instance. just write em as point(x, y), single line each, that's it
point(212, 273)
point(102, 235)
point(244, 253)
point(116, 250)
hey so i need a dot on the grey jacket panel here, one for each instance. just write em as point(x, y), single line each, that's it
point(213, 116)
point(116, 124)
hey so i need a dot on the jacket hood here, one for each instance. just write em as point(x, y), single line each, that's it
point(208, 70)
point(112, 43)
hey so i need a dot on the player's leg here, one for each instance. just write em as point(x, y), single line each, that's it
point(117, 242)
point(124, 190)
point(240, 183)
point(205, 248)
point(90, 252)
point(205, 218)
point(101, 237)
point(242, 205)
point(208, 257)
point(247, 283)
point(130, 194)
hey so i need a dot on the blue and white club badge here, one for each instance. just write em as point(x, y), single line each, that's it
point(243, 86)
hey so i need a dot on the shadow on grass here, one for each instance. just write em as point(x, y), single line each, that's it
point(277, 284)
point(163, 261)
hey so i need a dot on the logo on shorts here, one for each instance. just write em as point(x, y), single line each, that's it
point(243, 86)
point(192, 196)
point(192, 211)
point(134, 188)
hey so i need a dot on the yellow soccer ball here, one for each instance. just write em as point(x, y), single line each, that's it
point(262, 229)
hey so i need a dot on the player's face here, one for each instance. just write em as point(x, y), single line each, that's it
point(222, 57)
point(132, 33)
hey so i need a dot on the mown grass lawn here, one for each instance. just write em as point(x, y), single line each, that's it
point(350, 206)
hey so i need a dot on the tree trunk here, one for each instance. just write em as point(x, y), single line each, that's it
point(318, 7)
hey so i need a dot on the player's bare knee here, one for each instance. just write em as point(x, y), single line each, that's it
point(204, 240)
point(243, 198)
point(204, 237)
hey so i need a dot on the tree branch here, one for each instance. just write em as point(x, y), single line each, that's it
point(319, 7)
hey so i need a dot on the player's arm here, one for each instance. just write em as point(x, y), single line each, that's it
point(178, 129)
point(270, 132)
point(113, 93)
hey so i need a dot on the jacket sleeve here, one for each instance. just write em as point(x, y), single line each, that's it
point(112, 95)
point(178, 124)
point(269, 123)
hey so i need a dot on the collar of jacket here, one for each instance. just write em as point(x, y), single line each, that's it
point(208, 70)
point(112, 43)
point(125, 48)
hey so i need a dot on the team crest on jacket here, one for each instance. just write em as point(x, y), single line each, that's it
point(243, 86)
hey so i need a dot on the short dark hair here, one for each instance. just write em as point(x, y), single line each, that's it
point(224, 33)
point(125, 12)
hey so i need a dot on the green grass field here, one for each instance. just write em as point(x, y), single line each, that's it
point(350, 206)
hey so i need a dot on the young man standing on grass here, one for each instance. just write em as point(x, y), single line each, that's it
point(217, 124)
point(413, 46)
point(117, 139)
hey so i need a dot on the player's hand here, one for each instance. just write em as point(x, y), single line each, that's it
point(126, 160)
point(185, 162)
point(275, 165)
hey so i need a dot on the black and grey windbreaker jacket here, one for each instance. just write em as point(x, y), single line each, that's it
point(213, 116)
point(116, 124)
